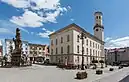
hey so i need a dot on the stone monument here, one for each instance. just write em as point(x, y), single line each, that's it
point(17, 52)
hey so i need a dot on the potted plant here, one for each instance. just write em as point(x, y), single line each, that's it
point(111, 69)
point(99, 72)
point(101, 61)
point(81, 75)
point(94, 63)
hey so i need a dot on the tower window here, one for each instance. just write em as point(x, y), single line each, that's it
point(99, 17)
point(96, 17)
point(97, 30)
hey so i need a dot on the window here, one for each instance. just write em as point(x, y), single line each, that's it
point(96, 17)
point(31, 47)
point(26, 52)
point(77, 38)
point(26, 48)
point(68, 38)
point(78, 59)
point(56, 42)
point(90, 52)
point(87, 42)
point(68, 49)
point(35, 48)
point(93, 44)
point(90, 44)
point(83, 50)
point(31, 52)
point(51, 51)
point(87, 51)
point(39, 52)
point(96, 53)
point(48, 49)
point(96, 45)
point(93, 52)
point(39, 48)
point(56, 51)
point(99, 17)
point(78, 49)
point(43, 48)
point(51, 42)
point(26, 44)
point(61, 50)
point(61, 39)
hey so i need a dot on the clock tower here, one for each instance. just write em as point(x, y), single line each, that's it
point(98, 27)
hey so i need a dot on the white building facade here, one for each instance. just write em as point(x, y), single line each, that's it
point(66, 45)
point(10, 42)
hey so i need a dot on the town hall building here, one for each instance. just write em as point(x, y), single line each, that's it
point(66, 44)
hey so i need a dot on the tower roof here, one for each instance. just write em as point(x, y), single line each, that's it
point(98, 26)
point(98, 12)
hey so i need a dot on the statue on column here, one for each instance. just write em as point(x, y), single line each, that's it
point(17, 41)
point(17, 53)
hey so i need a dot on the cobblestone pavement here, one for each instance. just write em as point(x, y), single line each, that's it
point(118, 76)
point(38, 73)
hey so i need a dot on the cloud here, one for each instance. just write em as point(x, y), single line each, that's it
point(45, 4)
point(36, 12)
point(32, 33)
point(72, 19)
point(17, 3)
point(69, 8)
point(45, 33)
point(5, 31)
point(51, 17)
point(9, 27)
point(28, 19)
point(107, 39)
point(117, 43)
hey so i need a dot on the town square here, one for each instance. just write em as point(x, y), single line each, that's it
point(63, 41)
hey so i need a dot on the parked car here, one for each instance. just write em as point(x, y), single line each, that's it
point(124, 65)
point(46, 61)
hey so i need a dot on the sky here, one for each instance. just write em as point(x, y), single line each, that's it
point(39, 18)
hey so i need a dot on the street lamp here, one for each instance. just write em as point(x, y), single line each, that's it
point(106, 57)
point(82, 38)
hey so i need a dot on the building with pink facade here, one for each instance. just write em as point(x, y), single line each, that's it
point(37, 51)
point(117, 55)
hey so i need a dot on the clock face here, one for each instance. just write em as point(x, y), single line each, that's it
point(96, 29)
